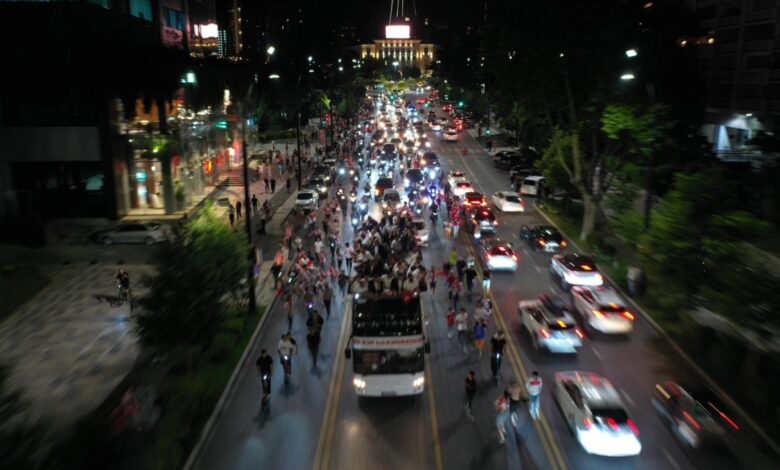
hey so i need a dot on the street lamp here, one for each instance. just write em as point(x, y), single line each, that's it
point(248, 220)
point(395, 67)
point(270, 50)
point(631, 53)
point(274, 76)
point(298, 127)
point(627, 76)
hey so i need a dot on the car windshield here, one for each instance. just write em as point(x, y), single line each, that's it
point(414, 174)
point(501, 251)
point(387, 361)
point(560, 325)
point(527, 182)
point(464, 184)
point(305, 196)
point(385, 182)
point(618, 415)
point(612, 308)
point(419, 225)
point(392, 197)
point(512, 198)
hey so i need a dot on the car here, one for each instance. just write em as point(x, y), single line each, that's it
point(595, 413)
point(602, 310)
point(319, 185)
point(461, 187)
point(430, 160)
point(473, 199)
point(549, 324)
point(498, 255)
point(454, 176)
point(532, 185)
point(421, 231)
point(389, 151)
point(447, 108)
point(520, 172)
point(322, 171)
point(506, 159)
point(436, 127)
point(306, 199)
point(382, 184)
point(481, 221)
point(543, 238)
point(450, 135)
point(391, 200)
point(508, 201)
point(147, 233)
point(575, 270)
point(330, 162)
point(413, 177)
point(696, 416)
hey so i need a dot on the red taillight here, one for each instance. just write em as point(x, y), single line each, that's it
point(490, 256)
point(514, 257)
point(495, 222)
point(633, 427)
point(588, 423)
point(690, 419)
point(598, 313)
point(544, 333)
point(564, 243)
point(628, 315)
point(612, 424)
point(728, 420)
point(579, 332)
point(542, 242)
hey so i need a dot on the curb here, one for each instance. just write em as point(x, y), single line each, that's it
point(229, 391)
point(707, 379)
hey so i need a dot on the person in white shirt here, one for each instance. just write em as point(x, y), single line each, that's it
point(534, 388)
point(462, 325)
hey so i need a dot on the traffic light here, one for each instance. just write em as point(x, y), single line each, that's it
point(221, 124)
point(460, 104)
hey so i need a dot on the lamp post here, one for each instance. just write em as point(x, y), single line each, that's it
point(298, 128)
point(247, 202)
point(651, 97)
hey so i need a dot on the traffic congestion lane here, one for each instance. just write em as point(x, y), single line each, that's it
point(634, 365)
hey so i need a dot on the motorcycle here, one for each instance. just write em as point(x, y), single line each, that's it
point(355, 222)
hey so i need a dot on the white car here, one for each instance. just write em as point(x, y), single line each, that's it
point(421, 231)
point(306, 199)
point(549, 325)
point(454, 176)
point(602, 310)
point(436, 127)
point(391, 200)
point(462, 187)
point(450, 135)
point(508, 201)
point(596, 415)
point(497, 255)
point(575, 270)
point(531, 185)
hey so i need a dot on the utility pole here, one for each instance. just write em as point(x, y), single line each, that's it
point(247, 206)
point(298, 129)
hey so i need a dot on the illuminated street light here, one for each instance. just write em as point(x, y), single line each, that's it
point(627, 76)
point(310, 59)
point(274, 76)
point(311, 70)
point(631, 53)
point(270, 50)
point(341, 69)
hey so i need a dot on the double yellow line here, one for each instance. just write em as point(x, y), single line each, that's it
point(549, 443)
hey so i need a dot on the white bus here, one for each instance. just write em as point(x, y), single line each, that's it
point(387, 345)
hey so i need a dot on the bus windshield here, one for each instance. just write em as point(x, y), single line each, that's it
point(387, 361)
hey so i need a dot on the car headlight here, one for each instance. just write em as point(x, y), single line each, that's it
point(418, 382)
point(359, 383)
point(323, 189)
point(406, 182)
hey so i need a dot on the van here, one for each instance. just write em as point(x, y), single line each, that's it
point(531, 185)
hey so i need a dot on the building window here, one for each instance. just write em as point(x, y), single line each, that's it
point(141, 9)
point(760, 31)
point(759, 5)
point(757, 62)
point(728, 35)
point(174, 19)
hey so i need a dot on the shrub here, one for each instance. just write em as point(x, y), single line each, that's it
point(222, 346)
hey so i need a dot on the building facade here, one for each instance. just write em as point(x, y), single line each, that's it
point(407, 52)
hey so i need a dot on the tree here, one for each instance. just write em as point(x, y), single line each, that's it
point(195, 272)
point(515, 120)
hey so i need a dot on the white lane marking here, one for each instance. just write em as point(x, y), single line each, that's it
point(597, 353)
point(670, 459)
point(628, 397)
point(537, 268)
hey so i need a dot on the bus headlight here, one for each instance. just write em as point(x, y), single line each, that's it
point(418, 382)
point(359, 383)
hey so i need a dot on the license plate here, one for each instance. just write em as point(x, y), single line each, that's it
point(388, 394)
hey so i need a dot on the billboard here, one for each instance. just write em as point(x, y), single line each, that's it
point(397, 31)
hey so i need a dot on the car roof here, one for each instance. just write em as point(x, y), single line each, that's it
point(473, 194)
point(534, 178)
point(606, 295)
point(576, 260)
point(597, 391)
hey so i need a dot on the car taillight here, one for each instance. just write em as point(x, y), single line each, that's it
point(633, 427)
point(588, 423)
point(612, 424)
point(544, 333)
point(691, 420)
point(564, 243)
point(490, 256)
point(579, 333)
point(628, 315)
point(542, 242)
point(495, 222)
point(514, 257)
point(598, 313)
point(731, 422)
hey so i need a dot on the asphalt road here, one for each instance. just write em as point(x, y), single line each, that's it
point(319, 422)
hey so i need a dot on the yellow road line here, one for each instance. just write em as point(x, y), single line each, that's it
point(327, 428)
point(542, 427)
point(432, 403)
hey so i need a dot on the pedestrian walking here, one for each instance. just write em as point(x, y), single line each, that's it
point(255, 202)
point(313, 341)
point(327, 297)
point(515, 397)
point(485, 281)
point(480, 330)
point(534, 388)
point(289, 183)
point(471, 275)
point(231, 214)
point(502, 415)
point(273, 185)
point(432, 282)
point(471, 390)
point(267, 183)
point(348, 256)
point(497, 345)
point(238, 208)
point(450, 322)
point(462, 324)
